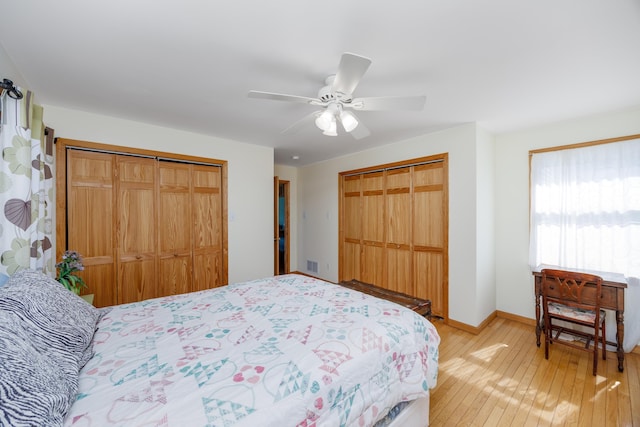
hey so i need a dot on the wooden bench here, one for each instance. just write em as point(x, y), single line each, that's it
point(420, 306)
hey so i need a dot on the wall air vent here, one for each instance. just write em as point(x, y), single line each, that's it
point(312, 266)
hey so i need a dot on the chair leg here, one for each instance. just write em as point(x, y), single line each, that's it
point(596, 341)
point(547, 338)
point(595, 356)
point(604, 340)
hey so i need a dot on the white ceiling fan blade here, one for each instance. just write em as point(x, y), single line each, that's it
point(384, 103)
point(351, 69)
point(283, 97)
point(360, 131)
point(303, 122)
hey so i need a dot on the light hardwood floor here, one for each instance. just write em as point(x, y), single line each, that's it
point(501, 378)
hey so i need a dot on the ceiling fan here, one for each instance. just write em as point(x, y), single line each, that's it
point(337, 101)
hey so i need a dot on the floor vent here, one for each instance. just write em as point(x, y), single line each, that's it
point(312, 266)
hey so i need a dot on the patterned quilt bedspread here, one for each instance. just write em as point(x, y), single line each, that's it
point(283, 351)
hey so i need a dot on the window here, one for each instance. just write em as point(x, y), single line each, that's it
point(585, 207)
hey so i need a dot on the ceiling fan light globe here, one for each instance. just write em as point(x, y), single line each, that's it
point(332, 130)
point(349, 121)
point(324, 120)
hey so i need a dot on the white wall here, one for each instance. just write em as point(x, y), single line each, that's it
point(318, 202)
point(8, 70)
point(514, 283)
point(290, 173)
point(249, 176)
point(485, 225)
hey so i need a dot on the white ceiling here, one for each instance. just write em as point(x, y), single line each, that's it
point(189, 64)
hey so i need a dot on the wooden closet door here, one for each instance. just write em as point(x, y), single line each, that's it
point(175, 228)
point(91, 220)
point(393, 228)
point(373, 228)
point(147, 226)
point(352, 228)
point(398, 220)
point(207, 227)
point(137, 225)
point(429, 235)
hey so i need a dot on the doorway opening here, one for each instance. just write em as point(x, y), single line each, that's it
point(281, 229)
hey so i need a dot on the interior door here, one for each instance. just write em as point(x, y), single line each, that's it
point(276, 233)
point(283, 226)
point(281, 234)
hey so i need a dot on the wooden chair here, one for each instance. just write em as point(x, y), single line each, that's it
point(575, 299)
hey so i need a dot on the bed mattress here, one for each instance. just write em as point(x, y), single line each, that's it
point(282, 351)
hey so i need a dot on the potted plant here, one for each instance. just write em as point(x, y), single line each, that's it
point(70, 264)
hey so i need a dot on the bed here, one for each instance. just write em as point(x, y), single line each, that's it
point(281, 351)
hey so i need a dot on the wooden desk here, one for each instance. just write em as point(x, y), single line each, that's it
point(613, 286)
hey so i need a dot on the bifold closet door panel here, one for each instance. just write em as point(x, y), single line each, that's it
point(399, 277)
point(137, 225)
point(428, 274)
point(91, 220)
point(373, 229)
point(429, 234)
point(351, 255)
point(207, 227)
point(352, 228)
point(175, 228)
point(398, 230)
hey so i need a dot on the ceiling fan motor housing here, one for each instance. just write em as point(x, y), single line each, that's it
point(325, 94)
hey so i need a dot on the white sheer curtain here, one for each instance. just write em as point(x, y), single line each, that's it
point(585, 213)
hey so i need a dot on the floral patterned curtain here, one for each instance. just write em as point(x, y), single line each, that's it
point(26, 188)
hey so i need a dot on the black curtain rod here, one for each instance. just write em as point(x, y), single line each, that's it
point(12, 91)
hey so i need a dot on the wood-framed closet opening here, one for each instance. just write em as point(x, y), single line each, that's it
point(147, 223)
point(393, 228)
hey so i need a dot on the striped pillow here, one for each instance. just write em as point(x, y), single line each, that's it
point(37, 388)
point(55, 318)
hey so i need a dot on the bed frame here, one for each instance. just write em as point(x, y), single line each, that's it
point(416, 414)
